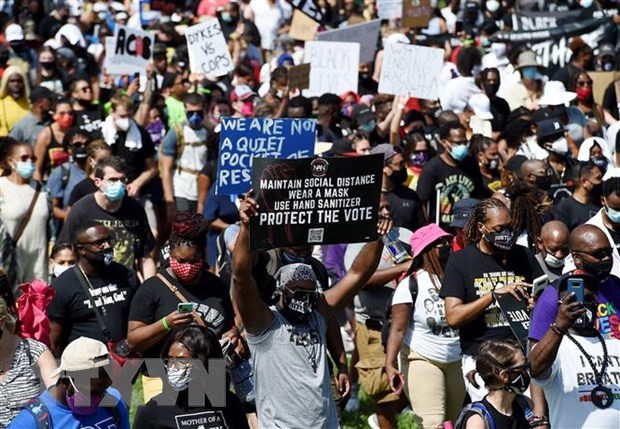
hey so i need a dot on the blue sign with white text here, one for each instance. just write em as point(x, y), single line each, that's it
point(242, 139)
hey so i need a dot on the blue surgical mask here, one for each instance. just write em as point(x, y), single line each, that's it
point(459, 152)
point(530, 73)
point(115, 191)
point(195, 119)
point(226, 17)
point(368, 127)
point(25, 169)
point(613, 215)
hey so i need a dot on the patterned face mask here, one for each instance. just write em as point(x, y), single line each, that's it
point(186, 272)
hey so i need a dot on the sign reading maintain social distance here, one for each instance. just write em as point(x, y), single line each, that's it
point(516, 315)
point(242, 139)
point(129, 51)
point(315, 201)
point(208, 50)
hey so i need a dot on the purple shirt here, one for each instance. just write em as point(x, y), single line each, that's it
point(607, 319)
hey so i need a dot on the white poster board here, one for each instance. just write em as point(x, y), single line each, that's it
point(389, 9)
point(208, 50)
point(129, 51)
point(365, 34)
point(411, 70)
point(334, 67)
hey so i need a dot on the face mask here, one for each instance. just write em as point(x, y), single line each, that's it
point(584, 93)
point(609, 66)
point(122, 123)
point(503, 240)
point(186, 272)
point(179, 378)
point(613, 215)
point(554, 262)
point(585, 3)
point(485, 42)
point(115, 191)
point(459, 152)
point(105, 256)
point(491, 89)
point(560, 146)
point(520, 384)
point(81, 398)
point(226, 17)
point(492, 164)
point(599, 269)
point(195, 119)
point(48, 65)
point(25, 169)
point(600, 163)
point(498, 49)
point(544, 182)
point(419, 159)
point(248, 109)
point(596, 193)
point(79, 153)
point(492, 5)
point(530, 73)
point(59, 269)
point(65, 121)
point(298, 307)
point(368, 127)
point(398, 176)
point(444, 255)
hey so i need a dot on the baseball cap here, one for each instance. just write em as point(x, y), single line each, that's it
point(462, 210)
point(548, 127)
point(82, 354)
point(241, 92)
point(362, 114)
point(39, 93)
point(424, 237)
point(606, 49)
point(386, 149)
point(13, 33)
point(481, 105)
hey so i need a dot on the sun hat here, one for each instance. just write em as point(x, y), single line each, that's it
point(555, 94)
point(422, 238)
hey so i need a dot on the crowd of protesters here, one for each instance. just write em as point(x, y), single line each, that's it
point(115, 247)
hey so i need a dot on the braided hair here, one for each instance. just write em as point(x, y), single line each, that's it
point(524, 202)
point(189, 229)
point(471, 234)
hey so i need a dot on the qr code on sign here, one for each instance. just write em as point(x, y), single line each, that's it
point(315, 235)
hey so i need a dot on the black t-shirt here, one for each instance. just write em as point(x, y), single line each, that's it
point(500, 111)
point(471, 274)
point(516, 421)
point(406, 208)
point(90, 120)
point(112, 293)
point(562, 185)
point(83, 188)
point(49, 26)
point(155, 300)
point(610, 102)
point(462, 181)
point(155, 416)
point(134, 158)
point(131, 229)
point(573, 213)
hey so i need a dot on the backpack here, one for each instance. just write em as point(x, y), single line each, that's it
point(386, 326)
point(480, 409)
point(42, 416)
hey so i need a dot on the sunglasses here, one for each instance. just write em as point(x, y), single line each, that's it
point(598, 254)
point(584, 83)
point(78, 145)
point(85, 89)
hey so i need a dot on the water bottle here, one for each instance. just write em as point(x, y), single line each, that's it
point(395, 247)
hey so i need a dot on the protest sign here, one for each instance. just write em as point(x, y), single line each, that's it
point(207, 49)
point(129, 51)
point(299, 77)
point(389, 9)
point(315, 201)
point(601, 81)
point(411, 70)
point(516, 315)
point(416, 13)
point(242, 139)
point(309, 8)
point(365, 34)
point(334, 67)
point(302, 27)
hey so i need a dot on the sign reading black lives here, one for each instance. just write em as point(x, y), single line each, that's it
point(315, 200)
point(516, 315)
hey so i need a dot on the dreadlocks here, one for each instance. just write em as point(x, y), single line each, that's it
point(471, 235)
point(189, 229)
point(523, 212)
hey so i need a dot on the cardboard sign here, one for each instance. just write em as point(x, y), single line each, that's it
point(365, 34)
point(299, 77)
point(416, 13)
point(601, 81)
point(411, 70)
point(302, 27)
point(315, 201)
point(389, 9)
point(334, 67)
point(516, 315)
point(129, 51)
point(242, 139)
point(208, 50)
point(309, 8)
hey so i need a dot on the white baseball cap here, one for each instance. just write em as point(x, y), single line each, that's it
point(481, 105)
point(13, 33)
point(82, 354)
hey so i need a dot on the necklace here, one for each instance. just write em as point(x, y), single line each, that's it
point(602, 397)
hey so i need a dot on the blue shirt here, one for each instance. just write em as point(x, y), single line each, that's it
point(55, 185)
point(218, 207)
point(62, 417)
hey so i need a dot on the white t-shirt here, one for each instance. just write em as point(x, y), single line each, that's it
point(568, 388)
point(428, 333)
point(457, 93)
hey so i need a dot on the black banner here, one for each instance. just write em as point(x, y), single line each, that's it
point(315, 200)
point(516, 315)
point(566, 30)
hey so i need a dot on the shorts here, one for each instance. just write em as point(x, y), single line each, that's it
point(371, 365)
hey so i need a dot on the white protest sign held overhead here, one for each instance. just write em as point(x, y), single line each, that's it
point(389, 9)
point(129, 51)
point(411, 70)
point(208, 50)
point(366, 34)
point(334, 67)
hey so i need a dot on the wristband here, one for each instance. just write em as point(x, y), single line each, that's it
point(165, 324)
point(557, 330)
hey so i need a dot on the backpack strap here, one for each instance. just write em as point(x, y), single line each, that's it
point(478, 408)
point(413, 287)
point(179, 131)
point(26, 345)
point(66, 174)
point(40, 413)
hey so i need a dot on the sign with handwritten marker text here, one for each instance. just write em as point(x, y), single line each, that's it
point(411, 70)
point(208, 50)
point(129, 51)
point(242, 139)
point(366, 34)
point(334, 67)
point(389, 9)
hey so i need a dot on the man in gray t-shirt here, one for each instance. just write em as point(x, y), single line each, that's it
point(287, 341)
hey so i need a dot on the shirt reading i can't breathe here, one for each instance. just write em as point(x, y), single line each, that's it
point(471, 274)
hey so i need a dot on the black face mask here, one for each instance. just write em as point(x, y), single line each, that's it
point(102, 257)
point(600, 269)
point(297, 308)
point(48, 65)
point(503, 240)
point(398, 176)
point(520, 384)
point(544, 182)
point(79, 154)
point(444, 254)
point(83, 103)
point(596, 193)
point(491, 89)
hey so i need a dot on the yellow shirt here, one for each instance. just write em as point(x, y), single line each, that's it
point(11, 111)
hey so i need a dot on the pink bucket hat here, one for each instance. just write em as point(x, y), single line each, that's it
point(423, 238)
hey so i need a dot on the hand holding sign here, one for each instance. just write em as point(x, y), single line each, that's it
point(208, 50)
point(516, 289)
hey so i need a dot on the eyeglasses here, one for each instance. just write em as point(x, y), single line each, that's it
point(85, 89)
point(99, 243)
point(26, 158)
point(177, 363)
point(598, 254)
point(584, 83)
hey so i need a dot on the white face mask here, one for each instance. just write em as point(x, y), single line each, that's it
point(498, 49)
point(59, 269)
point(122, 123)
point(560, 146)
point(179, 378)
point(585, 3)
point(554, 262)
point(493, 5)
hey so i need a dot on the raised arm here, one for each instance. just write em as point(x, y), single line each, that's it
point(254, 313)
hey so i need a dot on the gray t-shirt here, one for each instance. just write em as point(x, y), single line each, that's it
point(291, 377)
